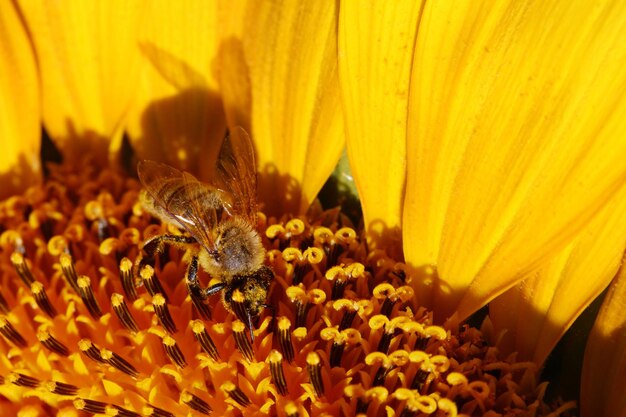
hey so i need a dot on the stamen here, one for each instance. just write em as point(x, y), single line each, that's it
point(22, 380)
point(128, 279)
point(342, 275)
point(385, 366)
point(21, 266)
point(284, 338)
point(69, 271)
point(123, 313)
point(163, 313)
point(314, 369)
point(90, 350)
point(152, 411)
point(238, 304)
point(4, 306)
point(117, 411)
point(198, 301)
point(340, 340)
point(51, 343)
point(88, 297)
point(419, 380)
point(42, 300)
point(236, 393)
point(174, 352)
point(151, 282)
point(275, 360)
point(241, 341)
point(90, 406)
point(10, 333)
point(202, 336)
point(60, 388)
point(196, 403)
point(324, 237)
point(415, 403)
point(350, 309)
point(118, 362)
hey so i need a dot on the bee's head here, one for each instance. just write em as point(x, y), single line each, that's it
point(238, 246)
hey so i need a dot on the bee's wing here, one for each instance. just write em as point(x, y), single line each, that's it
point(236, 172)
point(192, 204)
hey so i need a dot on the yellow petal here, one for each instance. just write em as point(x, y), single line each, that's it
point(516, 127)
point(19, 106)
point(177, 117)
point(88, 61)
point(538, 310)
point(285, 53)
point(376, 49)
point(604, 366)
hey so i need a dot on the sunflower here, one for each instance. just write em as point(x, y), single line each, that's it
point(485, 144)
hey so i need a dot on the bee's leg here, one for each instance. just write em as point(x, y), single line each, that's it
point(192, 276)
point(155, 244)
point(213, 289)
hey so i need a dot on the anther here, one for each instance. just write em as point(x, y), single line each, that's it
point(51, 343)
point(90, 350)
point(42, 300)
point(340, 340)
point(241, 341)
point(151, 282)
point(4, 306)
point(10, 333)
point(128, 279)
point(314, 369)
point(284, 338)
point(202, 336)
point(123, 313)
point(419, 379)
point(61, 388)
point(118, 363)
point(350, 309)
point(173, 351)
point(385, 367)
point(117, 411)
point(21, 266)
point(90, 406)
point(22, 380)
point(196, 403)
point(163, 313)
point(88, 297)
point(275, 359)
point(69, 271)
point(236, 393)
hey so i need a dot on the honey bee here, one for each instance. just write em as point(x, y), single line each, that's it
point(220, 223)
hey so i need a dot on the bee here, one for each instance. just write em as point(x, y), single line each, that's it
point(219, 222)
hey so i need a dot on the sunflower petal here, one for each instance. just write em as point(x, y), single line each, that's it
point(19, 106)
point(286, 54)
point(517, 117)
point(178, 116)
point(376, 43)
point(604, 366)
point(540, 309)
point(88, 60)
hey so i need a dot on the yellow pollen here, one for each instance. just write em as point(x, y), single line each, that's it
point(312, 358)
point(284, 323)
point(158, 300)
